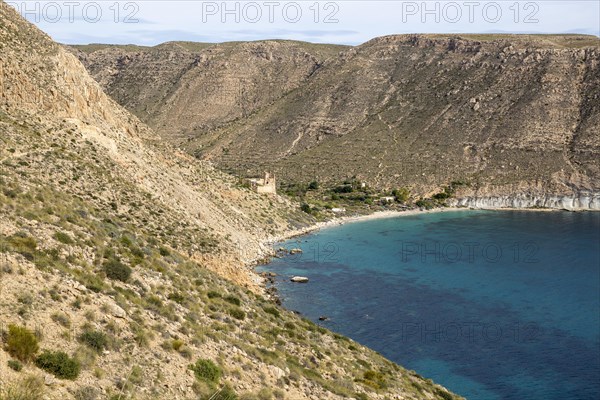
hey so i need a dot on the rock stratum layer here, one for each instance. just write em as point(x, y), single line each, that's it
point(582, 202)
point(512, 115)
point(109, 244)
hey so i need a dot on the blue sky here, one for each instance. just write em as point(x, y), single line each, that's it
point(151, 22)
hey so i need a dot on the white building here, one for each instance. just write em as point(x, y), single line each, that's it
point(264, 185)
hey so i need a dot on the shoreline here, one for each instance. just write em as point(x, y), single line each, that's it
point(267, 245)
point(338, 221)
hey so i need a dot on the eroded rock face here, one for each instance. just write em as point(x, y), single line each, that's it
point(582, 202)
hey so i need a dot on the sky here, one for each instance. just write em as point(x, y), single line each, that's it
point(150, 22)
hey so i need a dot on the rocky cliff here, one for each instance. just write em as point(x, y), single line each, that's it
point(577, 202)
point(512, 115)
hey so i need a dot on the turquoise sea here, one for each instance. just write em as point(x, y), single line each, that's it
point(490, 304)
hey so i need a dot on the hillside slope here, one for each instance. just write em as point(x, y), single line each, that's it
point(107, 242)
point(509, 114)
point(203, 86)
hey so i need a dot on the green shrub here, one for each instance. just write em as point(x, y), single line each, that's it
point(425, 203)
point(186, 352)
point(233, 300)
point(163, 251)
point(87, 393)
point(441, 196)
point(177, 344)
point(137, 252)
point(374, 379)
point(116, 270)
point(136, 376)
point(140, 335)
point(443, 394)
point(154, 303)
point(237, 313)
point(306, 208)
point(278, 394)
point(176, 297)
point(21, 343)
point(29, 388)
point(212, 294)
point(265, 394)
point(63, 238)
point(24, 245)
point(225, 393)
point(126, 241)
point(92, 282)
point(206, 370)
point(95, 340)
point(343, 189)
point(15, 365)
point(273, 311)
point(402, 195)
point(58, 364)
point(61, 318)
point(289, 326)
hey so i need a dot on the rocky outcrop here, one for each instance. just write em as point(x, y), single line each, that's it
point(581, 202)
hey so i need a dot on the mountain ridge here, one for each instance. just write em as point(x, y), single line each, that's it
point(507, 113)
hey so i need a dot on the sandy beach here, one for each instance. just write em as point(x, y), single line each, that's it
point(387, 214)
point(353, 218)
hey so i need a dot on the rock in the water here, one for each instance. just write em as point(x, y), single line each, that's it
point(299, 279)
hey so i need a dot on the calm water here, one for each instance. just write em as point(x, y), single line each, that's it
point(492, 305)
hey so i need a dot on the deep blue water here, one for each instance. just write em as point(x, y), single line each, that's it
point(491, 304)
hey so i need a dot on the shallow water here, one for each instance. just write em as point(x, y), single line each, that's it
point(491, 304)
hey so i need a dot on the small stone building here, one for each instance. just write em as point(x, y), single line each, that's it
point(264, 185)
point(387, 199)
